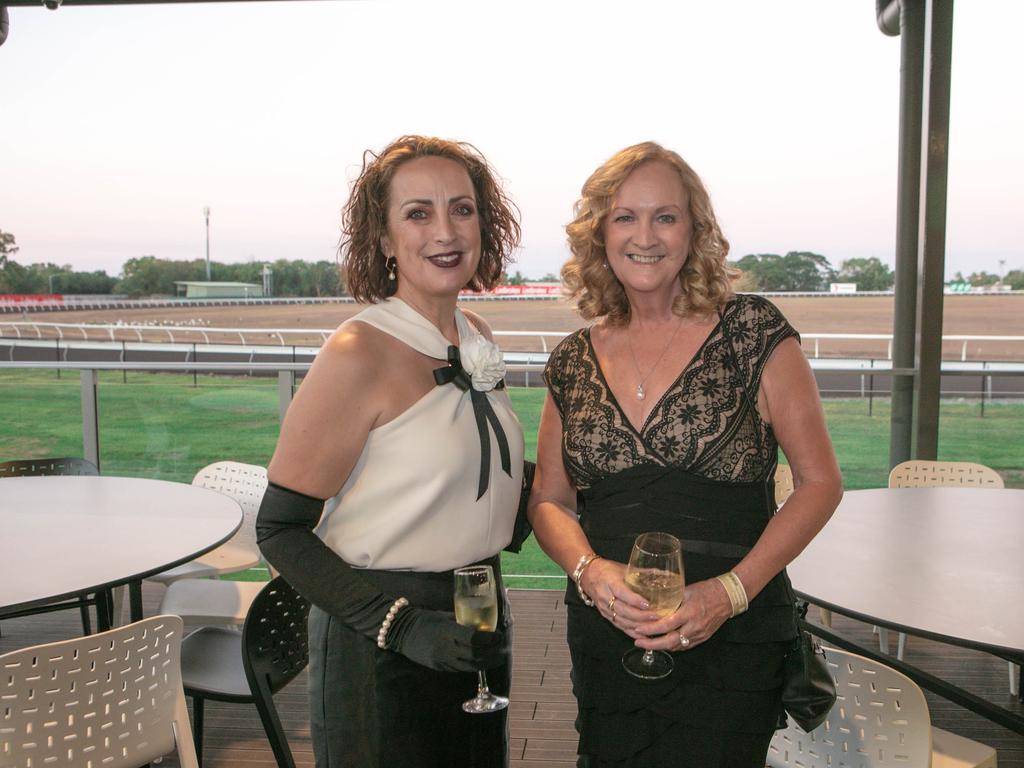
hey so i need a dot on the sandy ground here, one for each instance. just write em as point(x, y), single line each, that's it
point(967, 315)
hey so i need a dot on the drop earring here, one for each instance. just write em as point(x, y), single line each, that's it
point(391, 265)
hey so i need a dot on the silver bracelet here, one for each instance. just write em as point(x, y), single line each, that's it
point(382, 635)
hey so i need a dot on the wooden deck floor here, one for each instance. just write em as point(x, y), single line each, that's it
point(543, 708)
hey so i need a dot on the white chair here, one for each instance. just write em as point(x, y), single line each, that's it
point(931, 474)
point(880, 718)
point(245, 483)
point(783, 483)
point(212, 601)
point(113, 699)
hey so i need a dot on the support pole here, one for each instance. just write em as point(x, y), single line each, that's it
point(908, 200)
point(90, 418)
point(931, 262)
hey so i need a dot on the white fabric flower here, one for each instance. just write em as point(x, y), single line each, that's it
point(483, 361)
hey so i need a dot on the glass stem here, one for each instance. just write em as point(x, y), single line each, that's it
point(648, 658)
point(481, 688)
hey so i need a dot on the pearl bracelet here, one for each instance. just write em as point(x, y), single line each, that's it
point(736, 591)
point(382, 635)
point(577, 574)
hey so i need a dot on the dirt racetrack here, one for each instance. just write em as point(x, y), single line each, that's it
point(984, 315)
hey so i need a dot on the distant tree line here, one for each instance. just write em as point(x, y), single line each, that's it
point(1014, 278)
point(148, 275)
point(806, 271)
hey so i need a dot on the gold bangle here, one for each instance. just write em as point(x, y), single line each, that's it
point(736, 591)
point(581, 565)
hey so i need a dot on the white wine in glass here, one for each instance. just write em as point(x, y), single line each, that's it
point(655, 572)
point(476, 606)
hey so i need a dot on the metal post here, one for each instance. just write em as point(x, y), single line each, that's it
point(285, 387)
point(195, 371)
point(908, 193)
point(90, 418)
point(931, 261)
point(206, 213)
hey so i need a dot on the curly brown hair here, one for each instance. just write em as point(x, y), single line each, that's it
point(365, 216)
point(706, 278)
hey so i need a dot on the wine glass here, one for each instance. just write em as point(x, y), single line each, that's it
point(655, 572)
point(476, 605)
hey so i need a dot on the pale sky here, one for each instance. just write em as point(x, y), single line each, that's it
point(117, 125)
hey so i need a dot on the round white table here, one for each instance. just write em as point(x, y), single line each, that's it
point(934, 562)
point(942, 563)
point(67, 536)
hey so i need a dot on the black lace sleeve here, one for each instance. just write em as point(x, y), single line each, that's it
point(756, 327)
point(556, 369)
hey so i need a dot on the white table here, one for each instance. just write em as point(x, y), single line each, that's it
point(67, 536)
point(943, 563)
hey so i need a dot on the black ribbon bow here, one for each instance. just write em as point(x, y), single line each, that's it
point(483, 411)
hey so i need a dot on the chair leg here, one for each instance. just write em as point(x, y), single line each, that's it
point(83, 608)
point(182, 741)
point(264, 700)
point(117, 604)
point(901, 645)
point(197, 727)
point(1014, 679)
point(826, 616)
point(883, 639)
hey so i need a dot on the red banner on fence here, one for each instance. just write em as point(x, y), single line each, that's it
point(31, 298)
point(527, 289)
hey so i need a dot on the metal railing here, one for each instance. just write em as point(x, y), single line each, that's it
point(288, 337)
point(286, 373)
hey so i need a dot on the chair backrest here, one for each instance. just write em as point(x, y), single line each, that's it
point(112, 699)
point(783, 483)
point(38, 467)
point(927, 474)
point(275, 639)
point(246, 484)
point(880, 718)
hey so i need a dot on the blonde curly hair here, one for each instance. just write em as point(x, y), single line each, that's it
point(706, 278)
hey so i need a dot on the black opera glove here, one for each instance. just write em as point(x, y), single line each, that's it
point(435, 640)
point(284, 531)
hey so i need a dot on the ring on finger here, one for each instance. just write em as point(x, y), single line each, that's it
point(684, 641)
point(611, 606)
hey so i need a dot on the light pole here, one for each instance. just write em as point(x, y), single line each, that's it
point(206, 213)
point(50, 278)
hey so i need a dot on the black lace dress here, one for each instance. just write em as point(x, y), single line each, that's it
point(701, 468)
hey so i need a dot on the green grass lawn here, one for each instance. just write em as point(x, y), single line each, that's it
point(160, 426)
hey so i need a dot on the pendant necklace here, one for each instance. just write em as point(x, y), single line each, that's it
point(640, 392)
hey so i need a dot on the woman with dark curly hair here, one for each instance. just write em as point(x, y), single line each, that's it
point(402, 425)
point(667, 415)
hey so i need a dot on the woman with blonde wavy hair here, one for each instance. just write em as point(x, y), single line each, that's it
point(667, 415)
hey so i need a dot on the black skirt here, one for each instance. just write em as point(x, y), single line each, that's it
point(721, 704)
point(372, 708)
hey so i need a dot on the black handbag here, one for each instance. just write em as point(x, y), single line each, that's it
point(808, 691)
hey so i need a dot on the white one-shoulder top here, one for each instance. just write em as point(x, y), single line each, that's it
point(411, 501)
